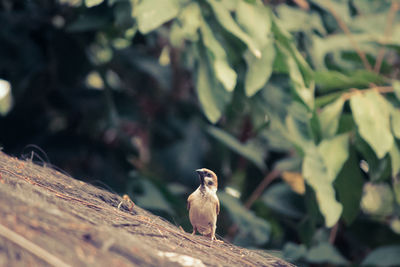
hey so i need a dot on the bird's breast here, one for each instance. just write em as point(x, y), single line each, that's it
point(202, 212)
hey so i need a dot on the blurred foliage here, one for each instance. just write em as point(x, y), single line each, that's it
point(139, 93)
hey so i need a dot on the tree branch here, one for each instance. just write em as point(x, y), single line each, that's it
point(353, 42)
point(379, 89)
point(261, 187)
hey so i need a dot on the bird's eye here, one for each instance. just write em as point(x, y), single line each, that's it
point(208, 174)
point(210, 183)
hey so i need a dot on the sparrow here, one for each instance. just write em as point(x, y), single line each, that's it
point(203, 204)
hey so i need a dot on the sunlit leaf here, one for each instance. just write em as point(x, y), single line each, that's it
point(259, 70)
point(395, 121)
point(255, 21)
point(383, 256)
point(187, 24)
point(377, 199)
point(92, 3)
point(252, 229)
point(249, 150)
point(329, 118)
point(151, 14)
point(335, 153)
point(396, 87)
point(296, 20)
point(371, 114)
point(225, 19)
point(224, 73)
point(335, 44)
point(395, 159)
point(320, 168)
point(6, 100)
point(212, 96)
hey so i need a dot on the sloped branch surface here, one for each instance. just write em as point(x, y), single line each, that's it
point(50, 219)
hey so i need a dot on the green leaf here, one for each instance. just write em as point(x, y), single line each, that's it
point(395, 121)
point(151, 14)
point(152, 198)
point(330, 79)
point(371, 114)
point(294, 252)
point(325, 253)
point(250, 150)
point(396, 87)
point(329, 118)
point(230, 4)
point(349, 186)
point(185, 27)
point(91, 20)
point(296, 77)
point(252, 229)
point(285, 40)
point(225, 19)
point(377, 199)
point(92, 3)
point(298, 20)
point(298, 127)
point(321, 165)
point(281, 199)
point(378, 169)
point(335, 44)
point(259, 70)
point(395, 159)
point(383, 256)
point(212, 96)
point(335, 153)
point(396, 188)
point(224, 73)
point(255, 20)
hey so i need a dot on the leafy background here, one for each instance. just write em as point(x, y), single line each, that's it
point(294, 104)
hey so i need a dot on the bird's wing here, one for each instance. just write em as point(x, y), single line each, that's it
point(217, 206)
point(190, 198)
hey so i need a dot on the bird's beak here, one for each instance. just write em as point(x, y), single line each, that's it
point(201, 176)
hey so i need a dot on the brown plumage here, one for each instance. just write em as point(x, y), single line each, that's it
point(203, 204)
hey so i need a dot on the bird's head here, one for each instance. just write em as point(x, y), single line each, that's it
point(208, 179)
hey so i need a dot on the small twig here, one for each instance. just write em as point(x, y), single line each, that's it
point(379, 89)
point(333, 233)
point(388, 31)
point(253, 197)
point(303, 4)
point(260, 188)
point(353, 42)
point(31, 247)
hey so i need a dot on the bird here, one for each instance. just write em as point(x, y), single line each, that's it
point(203, 204)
